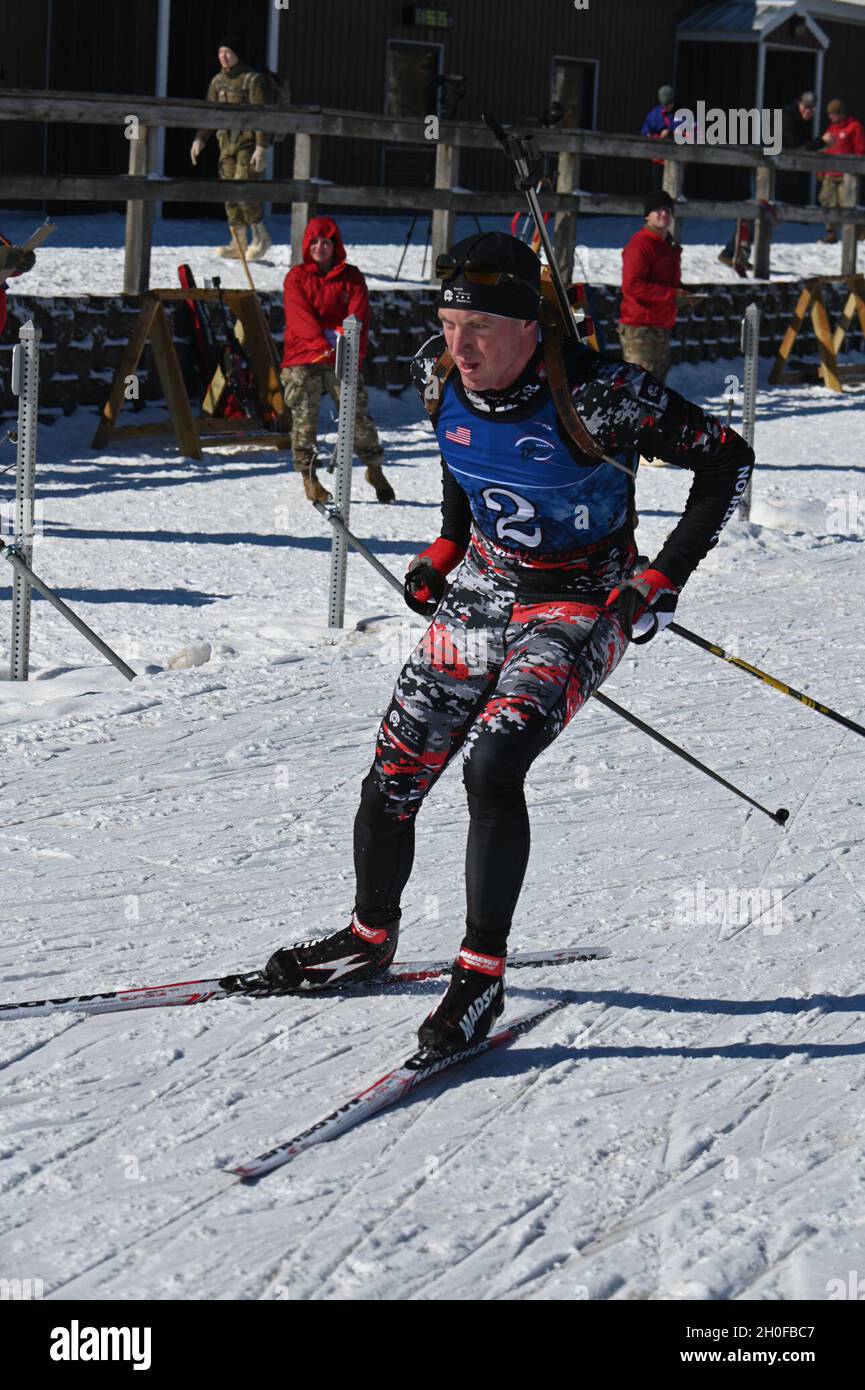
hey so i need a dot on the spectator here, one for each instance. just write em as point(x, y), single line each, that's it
point(651, 289)
point(843, 136)
point(797, 121)
point(14, 260)
point(318, 294)
point(242, 153)
point(660, 125)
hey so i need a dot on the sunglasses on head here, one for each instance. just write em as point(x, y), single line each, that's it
point(477, 272)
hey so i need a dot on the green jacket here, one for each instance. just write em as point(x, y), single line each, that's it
point(237, 86)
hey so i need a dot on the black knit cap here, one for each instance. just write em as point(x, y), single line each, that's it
point(232, 41)
point(658, 200)
point(512, 299)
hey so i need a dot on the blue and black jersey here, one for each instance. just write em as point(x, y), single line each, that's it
point(511, 468)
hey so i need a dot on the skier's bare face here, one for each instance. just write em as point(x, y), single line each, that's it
point(490, 352)
point(228, 57)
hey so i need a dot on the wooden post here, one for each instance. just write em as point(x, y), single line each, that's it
point(565, 234)
point(307, 153)
point(674, 177)
point(849, 199)
point(443, 219)
point(139, 221)
point(763, 229)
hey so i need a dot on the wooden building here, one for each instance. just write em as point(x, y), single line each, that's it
point(604, 62)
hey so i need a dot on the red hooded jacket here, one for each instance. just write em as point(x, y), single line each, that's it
point(316, 301)
point(848, 137)
point(651, 274)
point(3, 242)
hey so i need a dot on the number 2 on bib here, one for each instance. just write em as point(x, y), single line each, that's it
point(507, 525)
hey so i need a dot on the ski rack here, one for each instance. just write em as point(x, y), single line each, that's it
point(153, 326)
point(829, 344)
point(25, 385)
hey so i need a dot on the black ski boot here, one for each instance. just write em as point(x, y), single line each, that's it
point(356, 953)
point(474, 999)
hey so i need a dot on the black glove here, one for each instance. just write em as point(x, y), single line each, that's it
point(424, 587)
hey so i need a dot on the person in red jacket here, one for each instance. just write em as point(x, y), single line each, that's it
point(843, 136)
point(651, 289)
point(14, 260)
point(318, 294)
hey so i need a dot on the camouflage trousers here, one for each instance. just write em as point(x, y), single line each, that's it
point(236, 166)
point(648, 348)
point(303, 388)
point(498, 674)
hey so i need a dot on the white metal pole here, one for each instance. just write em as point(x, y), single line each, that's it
point(163, 31)
point(25, 384)
point(751, 351)
point(272, 62)
point(348, 361)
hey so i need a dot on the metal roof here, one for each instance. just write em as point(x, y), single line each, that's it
point(743, 19)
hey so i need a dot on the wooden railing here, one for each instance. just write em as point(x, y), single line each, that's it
point(141, 188)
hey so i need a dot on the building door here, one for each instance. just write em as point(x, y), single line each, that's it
point(411, 90)
point(574, 85)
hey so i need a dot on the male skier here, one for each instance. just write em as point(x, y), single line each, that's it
point(538, 535)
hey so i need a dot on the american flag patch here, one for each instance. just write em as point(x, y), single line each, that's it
point(460, 435)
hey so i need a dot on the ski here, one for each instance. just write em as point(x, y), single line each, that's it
point(201, 331)
point(255, 985)
point(388, 1090)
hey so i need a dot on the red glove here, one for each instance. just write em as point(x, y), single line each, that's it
point(645, 605)
point(424, 586)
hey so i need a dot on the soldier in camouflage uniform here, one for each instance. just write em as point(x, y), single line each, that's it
point(242, 153)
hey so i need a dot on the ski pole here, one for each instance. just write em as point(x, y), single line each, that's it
point(10, 552)
point(765, 678)
point(328, 509)
point(780, 816)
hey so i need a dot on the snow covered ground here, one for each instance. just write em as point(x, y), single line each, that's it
point(85, 246)
point(689, 1127)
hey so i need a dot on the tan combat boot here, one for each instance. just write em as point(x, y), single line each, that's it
point(314, 490)
point(260, 244)
point(383, 490)
point(231, 252)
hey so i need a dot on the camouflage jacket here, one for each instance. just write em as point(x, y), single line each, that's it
point(237, 86)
